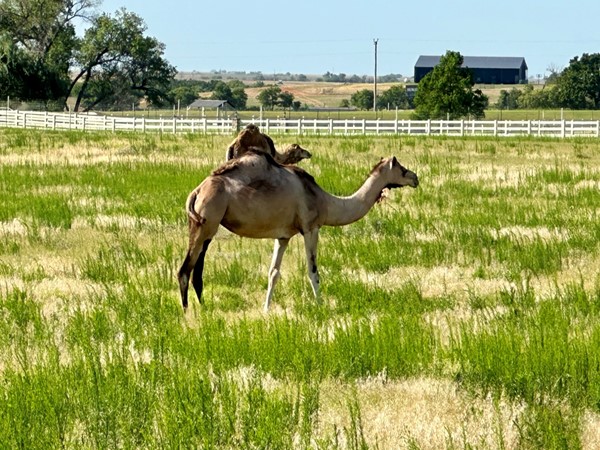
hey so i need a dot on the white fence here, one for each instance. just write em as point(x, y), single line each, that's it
point(74, 121)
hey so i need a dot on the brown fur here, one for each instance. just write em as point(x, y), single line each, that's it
point(254, 196)
point(250, 138)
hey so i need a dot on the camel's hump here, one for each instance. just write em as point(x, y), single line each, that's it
point(237, 163)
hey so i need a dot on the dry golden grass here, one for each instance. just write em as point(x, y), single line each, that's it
point(428, 412)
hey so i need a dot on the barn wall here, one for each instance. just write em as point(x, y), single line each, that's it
point(484, 76)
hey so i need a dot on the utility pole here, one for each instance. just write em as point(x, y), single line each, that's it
point(375, 78)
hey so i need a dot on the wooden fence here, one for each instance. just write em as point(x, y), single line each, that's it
point(75, 121)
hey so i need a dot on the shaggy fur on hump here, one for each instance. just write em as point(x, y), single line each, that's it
point(251, 137)
point(233, 164)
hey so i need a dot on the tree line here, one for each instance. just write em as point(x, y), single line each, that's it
point(575, 87)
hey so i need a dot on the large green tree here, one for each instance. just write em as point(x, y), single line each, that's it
point(447, 92)
point(115, 56)
point(578, 86)
point(39, 52)
point(37, 43)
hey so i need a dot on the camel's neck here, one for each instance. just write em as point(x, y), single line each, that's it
point(345, 210)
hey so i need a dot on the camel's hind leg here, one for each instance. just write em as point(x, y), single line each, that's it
point(311, 239)
point(200, 237)
point(274, 274)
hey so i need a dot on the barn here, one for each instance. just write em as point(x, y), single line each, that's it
point(486, 69)
point(219, 105)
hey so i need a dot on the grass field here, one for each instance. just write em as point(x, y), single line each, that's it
point(462, 314)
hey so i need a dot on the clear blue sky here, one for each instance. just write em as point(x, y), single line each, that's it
point(313, 37)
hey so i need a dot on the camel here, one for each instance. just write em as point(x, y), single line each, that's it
point(292, 154)
point(253, 196)
point(250, 138)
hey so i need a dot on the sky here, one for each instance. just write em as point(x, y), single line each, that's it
point(337, 36)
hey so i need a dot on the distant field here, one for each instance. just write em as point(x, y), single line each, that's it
point(316, 93)
point(322, 94)
point(462, 314)
point(331, 94)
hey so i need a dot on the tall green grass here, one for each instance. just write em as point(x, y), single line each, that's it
point(95, 351)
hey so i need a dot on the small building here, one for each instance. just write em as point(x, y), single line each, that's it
point(219, 105)
point(486, 69)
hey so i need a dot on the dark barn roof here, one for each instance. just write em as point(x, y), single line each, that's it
point(489, 69)
point(210, 104)
point(477, 62)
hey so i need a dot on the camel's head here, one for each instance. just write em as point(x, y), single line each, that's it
point(293, 154)
point(395, 174)
point(250, 138)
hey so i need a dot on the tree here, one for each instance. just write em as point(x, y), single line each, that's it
point(531, 98)
point(285, 99)
point(362, 99)
point(37, 43)
point(26, 77)
point(222, 92)
point(114, 56)
point(268, 97)
point(447, 91)
point(40, 51)
point(394, 97)
point(184, 95)
point(555, 71)
point(578, 86)
point(239, 98)
point(508, 99)
point(232, 91)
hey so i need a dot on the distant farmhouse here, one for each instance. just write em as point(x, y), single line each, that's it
point(219, 105)
point(486, 69)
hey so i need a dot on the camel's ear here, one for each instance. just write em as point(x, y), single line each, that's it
point(229, 154)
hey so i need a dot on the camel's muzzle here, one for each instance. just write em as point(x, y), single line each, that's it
point(414, 179)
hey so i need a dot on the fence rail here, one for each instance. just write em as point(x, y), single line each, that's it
point(75, 121)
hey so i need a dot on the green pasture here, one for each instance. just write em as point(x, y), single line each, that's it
point(461, 314)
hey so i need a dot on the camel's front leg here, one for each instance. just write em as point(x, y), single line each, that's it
point(311, 239)
point(274, 274)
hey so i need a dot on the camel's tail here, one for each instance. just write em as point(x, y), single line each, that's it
point(191, 212)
